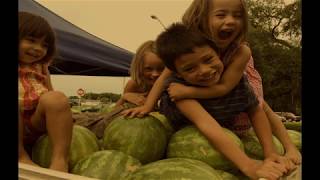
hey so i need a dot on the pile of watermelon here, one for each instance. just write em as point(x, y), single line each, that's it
point(149, 148)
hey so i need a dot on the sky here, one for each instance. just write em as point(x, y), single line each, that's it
point(124, 23)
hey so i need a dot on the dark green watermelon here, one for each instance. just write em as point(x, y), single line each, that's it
point(106, 165)
point(295, 137)
point(293, 125)
point(253, 147)
point(165, 122)
point(176, 169)
point(143, 138)
point(189, 142)
point(83, 143)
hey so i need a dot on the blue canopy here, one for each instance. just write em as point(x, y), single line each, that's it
point(80, 53)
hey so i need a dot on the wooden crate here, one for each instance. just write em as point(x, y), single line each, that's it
point(29, 172)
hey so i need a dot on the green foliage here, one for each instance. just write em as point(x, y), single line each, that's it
point(276, 51)
point(104, 97)
point(73, 97)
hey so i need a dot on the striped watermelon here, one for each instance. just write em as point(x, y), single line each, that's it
point(143, 138)
point(83, 143)
point(253, 147)
point(165, 122)
point(106, 165)
point(293, 125)
point(295, 137)
point(176, 169)
point(189, 142)
point(106, 108)
point(241, 176)
point(227, 176)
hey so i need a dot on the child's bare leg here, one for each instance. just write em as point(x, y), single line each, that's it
point(54, 107)
point(23, 155)
point(278, 129)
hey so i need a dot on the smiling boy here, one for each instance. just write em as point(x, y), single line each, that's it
point(194, 61)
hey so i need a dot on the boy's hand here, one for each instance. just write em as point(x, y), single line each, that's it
point(140, 111)
point(294, 155)
point(265, 169)
point(179, 91)
point(289, 165)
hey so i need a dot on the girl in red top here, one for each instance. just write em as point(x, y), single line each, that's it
point(41, 109)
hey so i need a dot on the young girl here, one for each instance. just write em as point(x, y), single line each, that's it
point(145, 69)
point(41, 109)
point(225, 22)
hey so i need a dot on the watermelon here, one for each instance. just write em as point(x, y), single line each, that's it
point(165, 122)
point(106, 108)
point(295, 137)
point(253, 147)
point(100, 143)
point(106, 165)
point(128, 105)
point(143, 138)
point(174, 169)
point(241, 176)
point(83, 143)
point(226, 175)
point(189, 142)
point(293, 125)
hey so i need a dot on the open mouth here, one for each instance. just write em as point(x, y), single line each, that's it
point(225, 34)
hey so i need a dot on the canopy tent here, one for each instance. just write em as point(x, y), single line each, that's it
point(79, 52)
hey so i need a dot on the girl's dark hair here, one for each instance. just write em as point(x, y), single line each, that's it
point(36, 26)
point(178, 40)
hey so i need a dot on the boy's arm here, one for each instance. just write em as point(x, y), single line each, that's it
point(216, 136)
point(262, 129)
point(281, 133)
point(230, 78)
point(152, 97)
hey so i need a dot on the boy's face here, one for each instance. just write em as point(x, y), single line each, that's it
point(203, 67)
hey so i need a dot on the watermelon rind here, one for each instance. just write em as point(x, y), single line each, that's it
point(189, 142)
point(106, 165)
point(83, 143)
point(254, 149)
point(176, 169)
point(295, 137)
point(143, 138)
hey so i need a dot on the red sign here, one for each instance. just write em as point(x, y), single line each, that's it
point(80, 92)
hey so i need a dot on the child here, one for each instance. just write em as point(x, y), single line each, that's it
point(41, 109)
point(225, 22)
point(195, 62)
point(145, 68)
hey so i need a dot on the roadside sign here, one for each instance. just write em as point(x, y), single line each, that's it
point(80, 92)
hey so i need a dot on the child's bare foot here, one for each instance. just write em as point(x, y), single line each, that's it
point(27, 160)
point(59, 165)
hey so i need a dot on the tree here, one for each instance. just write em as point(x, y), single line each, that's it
point(276, 49)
